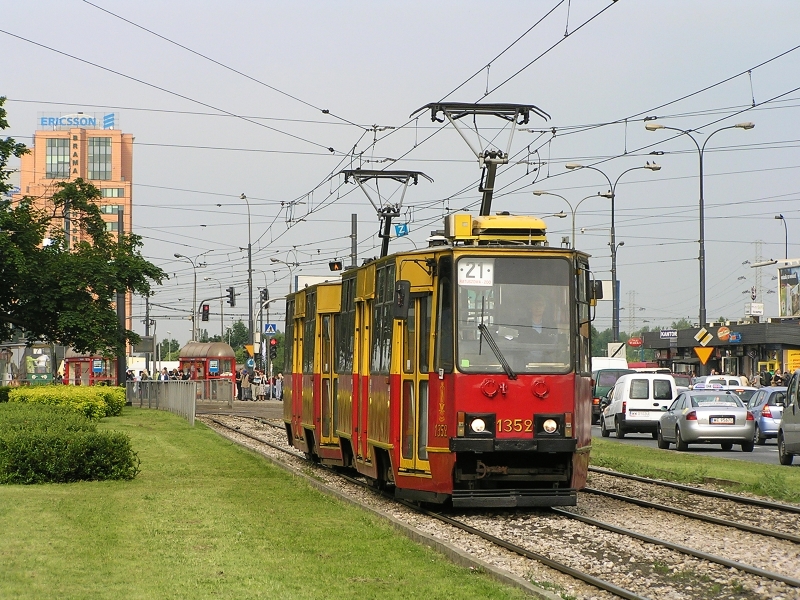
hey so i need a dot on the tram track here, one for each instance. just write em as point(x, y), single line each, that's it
point(562, 566)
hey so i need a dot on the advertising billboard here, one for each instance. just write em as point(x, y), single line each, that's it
point(789, 303)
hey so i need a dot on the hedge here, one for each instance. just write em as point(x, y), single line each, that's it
point(95, 402)
point(4, 389)
point(54, 444)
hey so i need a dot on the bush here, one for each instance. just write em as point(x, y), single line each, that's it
point(4, 389)
point(40, 444)
point(94, 402)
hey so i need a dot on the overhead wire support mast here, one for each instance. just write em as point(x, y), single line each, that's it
point(386, 211)
point(488, 159)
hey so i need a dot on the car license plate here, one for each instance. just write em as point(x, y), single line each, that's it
point(638, 413)
point(721, 420)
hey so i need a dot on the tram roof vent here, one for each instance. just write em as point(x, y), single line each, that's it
point(495, 229)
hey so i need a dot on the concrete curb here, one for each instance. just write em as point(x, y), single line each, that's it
point(456, 555)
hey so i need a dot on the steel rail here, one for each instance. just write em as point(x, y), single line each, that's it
point(702, 492)
point(682, 549)
point(698, 516)
point(560, 567)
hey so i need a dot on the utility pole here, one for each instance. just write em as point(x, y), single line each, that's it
point(121, 317)
point(353, 240)
point(147, 330)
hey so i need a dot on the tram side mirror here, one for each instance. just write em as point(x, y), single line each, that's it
point(402, 299)
point(597, 291)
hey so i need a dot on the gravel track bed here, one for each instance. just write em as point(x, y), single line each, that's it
point(648, 570)
point(775, 520)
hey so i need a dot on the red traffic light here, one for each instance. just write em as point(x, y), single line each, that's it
point(273, 342)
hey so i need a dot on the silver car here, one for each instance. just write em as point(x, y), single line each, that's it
point(706, 417)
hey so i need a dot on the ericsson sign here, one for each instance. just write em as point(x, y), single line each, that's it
point(61, 121)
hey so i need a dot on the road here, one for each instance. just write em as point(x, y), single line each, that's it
point(767, 453)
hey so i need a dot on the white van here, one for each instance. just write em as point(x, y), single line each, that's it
point(604, 362)
point(634, 404)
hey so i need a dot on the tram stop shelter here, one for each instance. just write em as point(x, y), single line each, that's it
point(212, 363)
point(89, 369)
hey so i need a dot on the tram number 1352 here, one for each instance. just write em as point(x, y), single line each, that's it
point(514, 425)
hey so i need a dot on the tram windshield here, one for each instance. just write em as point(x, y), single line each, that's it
point(513, 315)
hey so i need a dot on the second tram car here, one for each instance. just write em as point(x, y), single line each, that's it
point(460, 372)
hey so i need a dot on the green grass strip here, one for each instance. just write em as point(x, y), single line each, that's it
point(207, 519)
point(771, 481)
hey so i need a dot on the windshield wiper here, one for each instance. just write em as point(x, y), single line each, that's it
point(496, 349)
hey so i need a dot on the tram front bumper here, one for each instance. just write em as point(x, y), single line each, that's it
point(494, 445)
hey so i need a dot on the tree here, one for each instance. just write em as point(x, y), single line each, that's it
point(60, 294)
point(170, 349)
point(682, 324)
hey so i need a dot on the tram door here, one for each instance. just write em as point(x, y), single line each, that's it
point(414, 399)
point(361, 364)
point(328, 395)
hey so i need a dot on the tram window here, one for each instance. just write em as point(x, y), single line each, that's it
point(326, 344)
point(409, 339)
point(424, 333)
point(524, 304)
point(344, 335)
point(309, 333)
point(288, 350)
point(422, 433)
point(408, 419)
point(335, 405)
point(382, 320)
point(444, 316)
point(326, 417)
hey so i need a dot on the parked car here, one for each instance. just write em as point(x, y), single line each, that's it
point(634, 404)
point(706, 417)
point(682, 381)
point(726, 380)
point(604, 380)
point(789, 429)
point(766, 406)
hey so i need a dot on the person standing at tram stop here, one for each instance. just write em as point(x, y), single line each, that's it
point(164, 375)
point(238, 384)
point(247, 390)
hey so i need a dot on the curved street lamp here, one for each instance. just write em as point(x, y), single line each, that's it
point(653, 126)
point(290, 265)
point(612, 194)
point(194, 295)
point(572, 210)
point(249, 272)
point(786, 236)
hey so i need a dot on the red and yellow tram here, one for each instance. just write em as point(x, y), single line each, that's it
point(457, 372)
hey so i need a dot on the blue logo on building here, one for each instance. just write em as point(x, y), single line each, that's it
point(108, 121)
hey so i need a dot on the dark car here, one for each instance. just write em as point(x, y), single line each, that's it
point(766, 406)
point(604, 380)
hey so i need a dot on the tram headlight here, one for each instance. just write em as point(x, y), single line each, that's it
point(550, 426)
point(478, 425)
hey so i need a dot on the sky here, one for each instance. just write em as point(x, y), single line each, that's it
point(234, 98)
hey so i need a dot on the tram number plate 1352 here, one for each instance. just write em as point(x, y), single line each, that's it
point(476, 272)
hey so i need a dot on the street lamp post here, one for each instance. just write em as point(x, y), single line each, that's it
point(249, 272)
point(653, 126)
point(786, 236)
point(572, 210)
point(221, 313)
point(612, 195)
point(290, 265)
point(194, 294)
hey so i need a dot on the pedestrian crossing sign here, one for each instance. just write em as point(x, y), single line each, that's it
point(270, 328)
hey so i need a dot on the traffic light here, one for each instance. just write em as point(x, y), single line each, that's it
point(273, 348)
point(335, 265)
point(204, 312)
point(264, 296)
point(231, 296)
